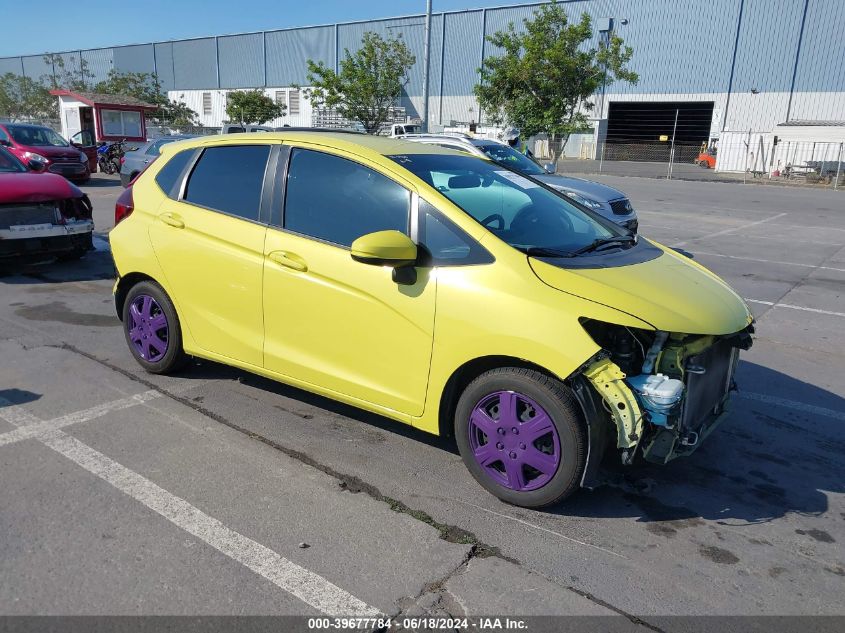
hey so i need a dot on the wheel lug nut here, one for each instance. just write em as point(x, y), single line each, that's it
point(522, 446)
point(515, 431)
point(500, 446)
point(500, 431)
point(513, 455)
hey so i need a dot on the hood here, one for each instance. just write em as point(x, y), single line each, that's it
point(670, 292)
point(587, 188)
point(52, 152)
point(35, 187)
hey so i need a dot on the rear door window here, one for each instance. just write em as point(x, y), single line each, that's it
point(170, 173)
point(229, 178)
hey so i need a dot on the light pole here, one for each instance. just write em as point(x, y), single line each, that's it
point(426, 61)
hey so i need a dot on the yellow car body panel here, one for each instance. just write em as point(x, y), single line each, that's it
point(303, 312)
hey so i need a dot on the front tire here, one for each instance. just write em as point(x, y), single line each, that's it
point(152, 329)
point(521, 435)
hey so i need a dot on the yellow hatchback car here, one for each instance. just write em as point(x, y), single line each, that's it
point(432, 287)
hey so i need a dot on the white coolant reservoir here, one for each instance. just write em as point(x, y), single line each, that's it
point(657, 393)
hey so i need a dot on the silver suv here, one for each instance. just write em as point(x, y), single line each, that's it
point(606, 201)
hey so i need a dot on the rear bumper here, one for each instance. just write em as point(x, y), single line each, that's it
point(46, 239)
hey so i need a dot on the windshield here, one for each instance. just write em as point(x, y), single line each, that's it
point(37, 136)
point(412, 129)
point(9, 163)
point(520, 211)
point(509, 157)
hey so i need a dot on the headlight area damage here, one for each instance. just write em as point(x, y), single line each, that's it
point(664, 391)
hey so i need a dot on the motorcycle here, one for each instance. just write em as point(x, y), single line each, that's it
point(108, 157)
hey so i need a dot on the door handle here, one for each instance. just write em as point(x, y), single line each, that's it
point(172, 219)
point(289, 260)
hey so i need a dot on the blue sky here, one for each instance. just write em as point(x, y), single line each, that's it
point(59, 25)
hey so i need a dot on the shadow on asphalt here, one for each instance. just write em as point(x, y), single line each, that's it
point(95, 265)
point(16, 397)
point(209, 370)
point(764, 462)
point(101, 181)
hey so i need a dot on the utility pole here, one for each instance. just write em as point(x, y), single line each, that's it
point(426, 60)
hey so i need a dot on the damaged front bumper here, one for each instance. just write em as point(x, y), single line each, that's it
point(702, 369)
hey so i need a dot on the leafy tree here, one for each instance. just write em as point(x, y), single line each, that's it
point(249, 107)
point(177, 114)
point(66, 78)
point(22, 97)
point(548, 73)
point(369, 83)
point(143, 86)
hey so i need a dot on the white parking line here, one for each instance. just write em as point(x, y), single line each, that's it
point(736, 228)
point(794, 307)
point(765, 261)
point(792, 404)
point(306, 585)
point(29, 426)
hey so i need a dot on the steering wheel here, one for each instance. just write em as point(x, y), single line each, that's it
point(495, 217)
point(531, 217)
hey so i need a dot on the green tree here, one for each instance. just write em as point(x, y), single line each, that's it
point(143, 86)
point(252, 107)
point(22, 98)
point(369, 83)
point(62, 77)
point(548, 73)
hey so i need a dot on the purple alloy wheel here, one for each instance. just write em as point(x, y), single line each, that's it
point(148, 328)
point(514, 440)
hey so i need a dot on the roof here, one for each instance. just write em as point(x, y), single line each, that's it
point(357, 143)
point(98, 98)
point(812, 124)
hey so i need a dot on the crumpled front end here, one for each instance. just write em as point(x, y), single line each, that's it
point(665, 392)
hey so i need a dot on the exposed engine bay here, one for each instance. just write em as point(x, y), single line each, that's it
point(664, 391)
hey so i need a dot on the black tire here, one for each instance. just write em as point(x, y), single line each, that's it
point(561, 406)
point(174, 358)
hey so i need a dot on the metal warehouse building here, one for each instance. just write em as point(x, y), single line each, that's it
point(723, 65)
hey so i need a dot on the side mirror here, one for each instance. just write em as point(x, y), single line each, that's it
point(388, 248)
point(36, 165)
point(550, 167)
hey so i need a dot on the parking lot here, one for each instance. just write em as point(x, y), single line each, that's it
point(220, 492)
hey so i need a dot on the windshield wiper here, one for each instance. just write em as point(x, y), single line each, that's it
point(603, 241)
point(542, 251)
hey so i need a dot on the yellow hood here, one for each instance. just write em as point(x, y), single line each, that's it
point(671, 292)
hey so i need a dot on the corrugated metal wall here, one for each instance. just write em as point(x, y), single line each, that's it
point(682, 48)
point(288, 51)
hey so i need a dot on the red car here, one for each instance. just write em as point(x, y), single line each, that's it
point(41, 213)
point(28, 141)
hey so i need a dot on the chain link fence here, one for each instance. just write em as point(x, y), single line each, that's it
point(744, 157)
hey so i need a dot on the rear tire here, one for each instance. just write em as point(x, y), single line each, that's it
point(521, 435)
point(152, 329)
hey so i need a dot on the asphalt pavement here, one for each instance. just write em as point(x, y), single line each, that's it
point(217, 492)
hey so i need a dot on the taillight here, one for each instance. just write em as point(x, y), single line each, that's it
point(124, 206)
point(122, 160)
